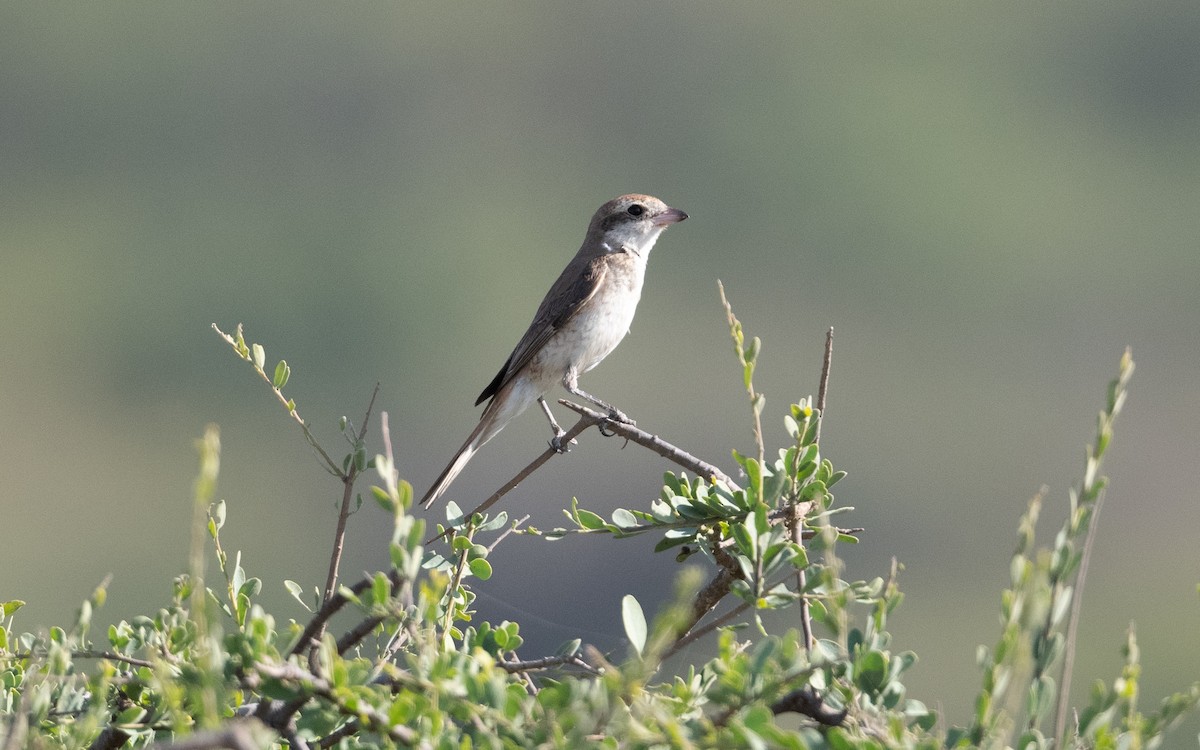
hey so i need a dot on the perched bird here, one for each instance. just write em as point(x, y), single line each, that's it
point(584, 316)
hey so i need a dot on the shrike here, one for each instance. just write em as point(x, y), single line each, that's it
point(584, 316)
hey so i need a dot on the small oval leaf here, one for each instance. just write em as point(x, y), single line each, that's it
point(635, 622)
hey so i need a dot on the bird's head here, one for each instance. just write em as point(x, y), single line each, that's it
point(631, 222)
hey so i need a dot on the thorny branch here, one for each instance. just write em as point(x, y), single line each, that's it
point(796, 514)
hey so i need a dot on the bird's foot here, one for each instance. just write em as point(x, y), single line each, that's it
point(616, 415)
point(558, 445)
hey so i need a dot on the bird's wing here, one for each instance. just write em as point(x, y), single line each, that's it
point(573, 289)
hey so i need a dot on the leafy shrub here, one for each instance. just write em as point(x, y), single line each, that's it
point(212, 668)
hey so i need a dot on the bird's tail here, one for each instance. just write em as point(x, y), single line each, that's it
point(492, 421)
point(450, 472)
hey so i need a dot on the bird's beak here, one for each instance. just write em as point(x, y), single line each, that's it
point(668, 217)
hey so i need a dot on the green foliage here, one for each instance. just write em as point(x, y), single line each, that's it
point(415, 667)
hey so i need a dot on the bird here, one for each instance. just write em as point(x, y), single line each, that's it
point(583, 317)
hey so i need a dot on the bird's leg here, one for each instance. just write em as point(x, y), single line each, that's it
point(555, 442)
point(571, 383)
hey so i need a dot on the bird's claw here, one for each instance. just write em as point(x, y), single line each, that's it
point(557, 444)
point(616, 415)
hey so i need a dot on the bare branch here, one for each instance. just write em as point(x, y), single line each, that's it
point(587, 418)
point(547, 662)
point(351, 727)
point(705, 629)
point(513, 527)
point(331, 607)
point(243, 352)
point(653, 443)
point(796, 513)
point(357, 633)
point(314, 685)
point(87, 654)
point(806, 701)
point(348, 480)
point(533, 466)
point(826, 364)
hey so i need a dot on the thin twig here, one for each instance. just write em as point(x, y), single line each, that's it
point(588, 418)
point(348, 479)
point(653, 443)
point(735, 329)
point(1092, 485)
point(796, 519)
point(294, 740)
point(547, 662)
point(513, 527)
point(806, 701)
point(86, 654)
point(823, 388)
point(452, 589)
point(705, 629)
point(511, 484)
point(314, 685)
point(1060, 719)
point(355, 634)
point(710, 596)
point(330, 608)
point(330, 465)
point(349, 728)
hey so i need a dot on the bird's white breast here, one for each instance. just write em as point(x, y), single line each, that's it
point(595, 330)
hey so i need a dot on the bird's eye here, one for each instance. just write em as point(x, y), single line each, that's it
point(637, 209)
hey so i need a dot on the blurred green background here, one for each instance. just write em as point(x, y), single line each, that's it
point(987, 202)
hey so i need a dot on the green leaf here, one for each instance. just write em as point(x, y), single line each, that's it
point(405, 491)
point(635, 622)
point(744, 536)
point(239, 574)
point(870, 671)
point(260, 355)
point(251, 587)
point(671, 483)
point(480, 568)
point(345, 592)
point(381, 588)
point(773, 488)
point(383, 498)
point(754, 473)
point(624, 519)
point(297, 592)
point(493, 524)
point(282, 373)
point(589, 520)
point(242, 607)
